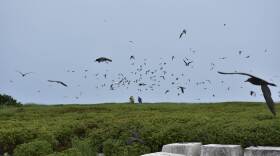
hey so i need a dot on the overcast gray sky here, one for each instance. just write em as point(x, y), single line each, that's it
point(52, 36)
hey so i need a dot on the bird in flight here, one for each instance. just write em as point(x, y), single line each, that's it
point(239, 52)
point(222, 58)
point(187, 63)
point(252, 93)
point(24, 74)
point(142, 84)
point(184, 32)
point(59, 82)
point(264, 86)
point(103, 59)
point(131, 42)
point(182, 89)
point(167, 91)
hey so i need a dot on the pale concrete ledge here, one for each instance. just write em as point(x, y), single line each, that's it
point(221, 150)
point(262, 151)
point(186, 149)
point(162, 154)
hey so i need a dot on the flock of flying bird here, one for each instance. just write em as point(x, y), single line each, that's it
point(147, 79)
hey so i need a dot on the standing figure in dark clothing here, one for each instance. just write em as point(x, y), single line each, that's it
point(139, 99)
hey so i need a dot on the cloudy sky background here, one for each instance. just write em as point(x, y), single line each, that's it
point(51, 37)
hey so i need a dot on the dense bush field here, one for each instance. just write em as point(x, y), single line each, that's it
point(131, 130)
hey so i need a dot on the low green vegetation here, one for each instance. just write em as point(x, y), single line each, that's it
point(131, 130)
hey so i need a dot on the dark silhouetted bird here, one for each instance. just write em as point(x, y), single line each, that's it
point(103, 59)
point(239, 52)
point(24, 74)
point(184, 32)
point(182, 89)
point(59, 82)
point(252, 93)
point(222, 58)
point(131, 42)
point(142, 84)
point(264, 86)
point(112, 86)
point(132, 57)
point(187, 63)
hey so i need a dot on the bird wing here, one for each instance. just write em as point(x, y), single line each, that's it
point(62, 83)
point(103, 59)
point(180, 35)
point(97, 60)
point(20, 73)
point(28, 73)
point(237, 73)
point(268, 99)
point(185, 62)
point(109, 60)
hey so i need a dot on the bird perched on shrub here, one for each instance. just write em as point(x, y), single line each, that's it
point(264, 86)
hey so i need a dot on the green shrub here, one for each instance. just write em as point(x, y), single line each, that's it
point(35, 148)
point(109, 128)
point(84, 146)
point(10, 138)
point(64, 136)
point(68, 152)
point(114, 147)
point(7, 100)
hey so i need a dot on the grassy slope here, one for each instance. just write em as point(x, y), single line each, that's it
point(111, 125)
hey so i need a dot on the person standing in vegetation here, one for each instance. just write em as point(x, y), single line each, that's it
point(139, 99)
point(131, 100)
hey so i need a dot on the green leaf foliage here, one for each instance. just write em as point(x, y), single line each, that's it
point(132, 130)
point(35, 148)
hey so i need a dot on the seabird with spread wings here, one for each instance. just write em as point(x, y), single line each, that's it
point(103, 59)
point(264, 86)
point(59, 82)
point(24, 74)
